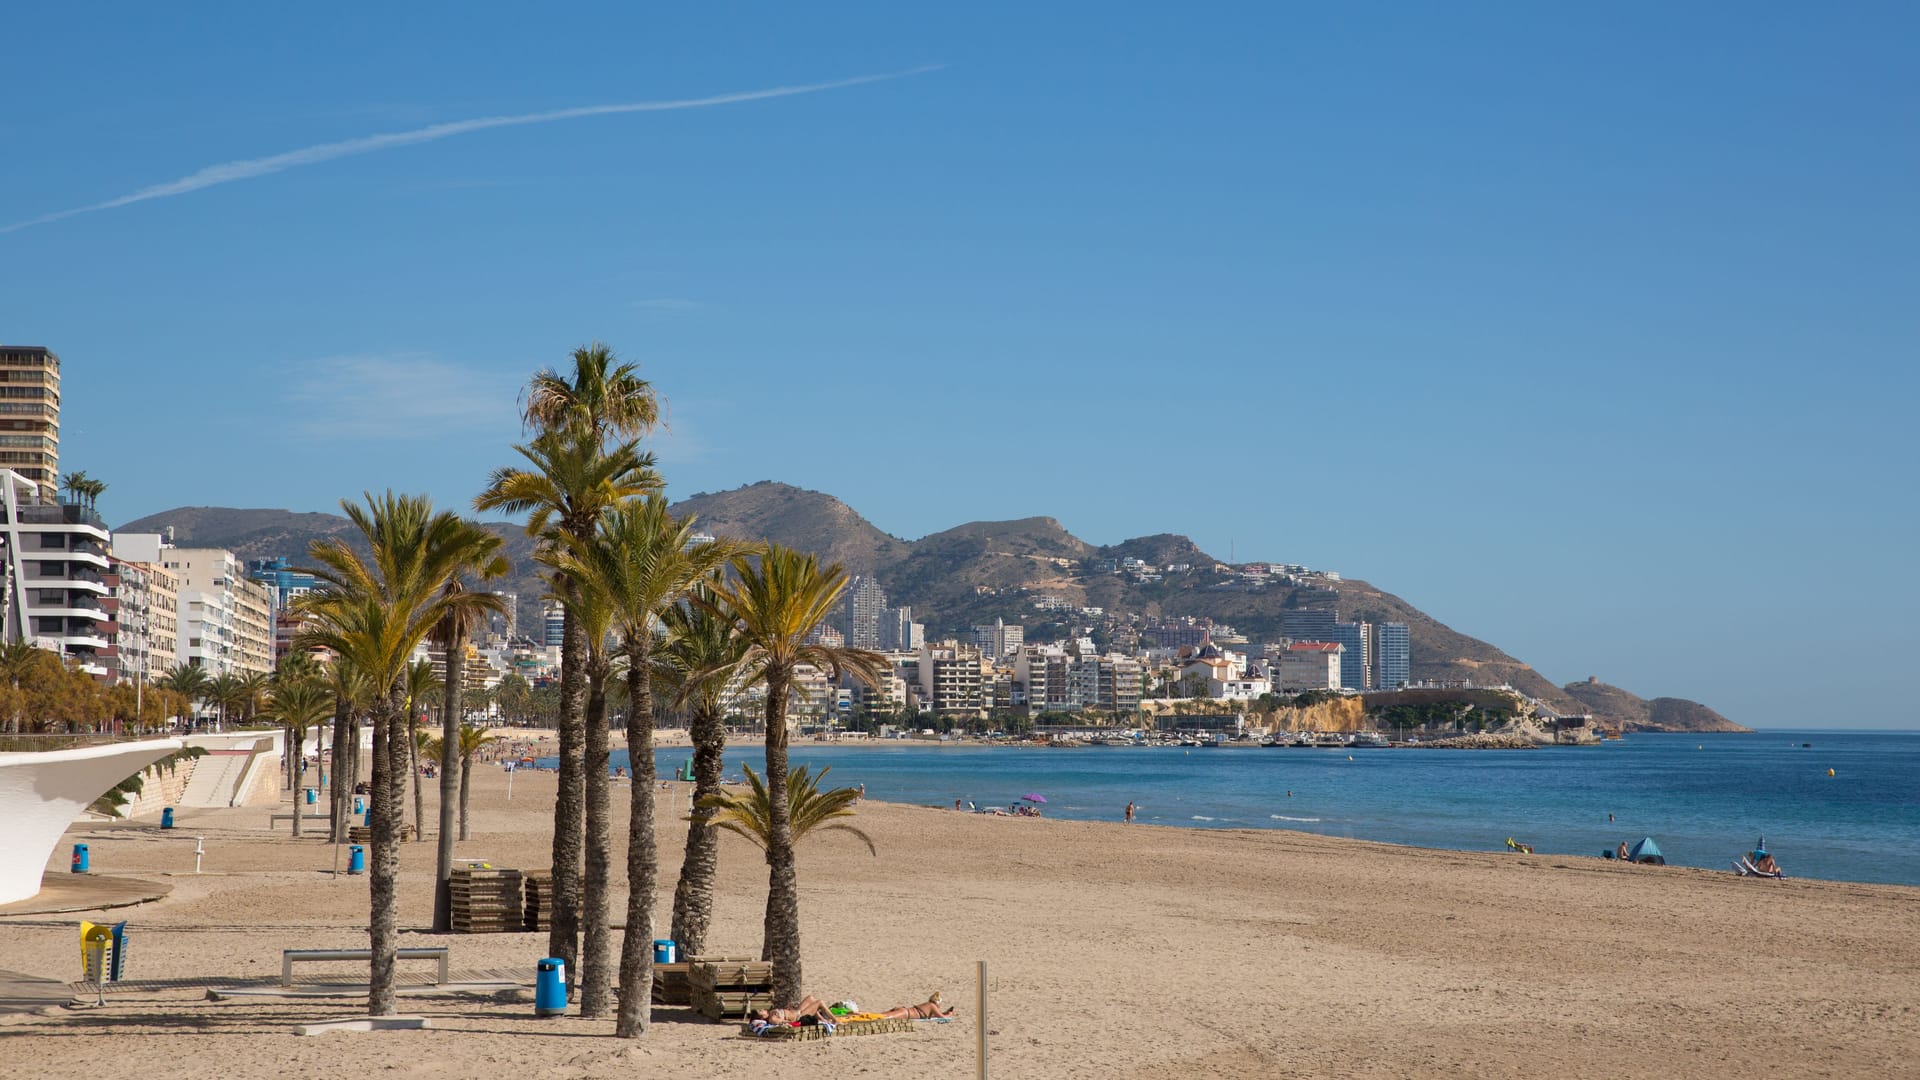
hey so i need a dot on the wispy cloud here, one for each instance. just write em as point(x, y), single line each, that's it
point(231, 171)
point(401, 396)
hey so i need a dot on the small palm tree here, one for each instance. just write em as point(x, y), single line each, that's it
point(811, 810)
point(190, 682)
point(423, 690)
point(298, 706)
point(473, 739)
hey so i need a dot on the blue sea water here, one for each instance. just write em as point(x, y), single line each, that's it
point(1704, 798)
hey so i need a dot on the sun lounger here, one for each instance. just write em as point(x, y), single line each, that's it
point(788, 1033)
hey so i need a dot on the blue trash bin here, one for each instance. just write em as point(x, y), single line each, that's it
point(359, 804)
point(550, 988)
point(356, 859)
point(166, 817)
point(80, 858)
point(311, 797)
point(663, 951)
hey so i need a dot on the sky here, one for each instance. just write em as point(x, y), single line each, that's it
point(1589, 331)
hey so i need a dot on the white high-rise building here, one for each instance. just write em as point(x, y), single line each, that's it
point(56, 594)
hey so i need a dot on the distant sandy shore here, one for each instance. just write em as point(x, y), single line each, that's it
point(1112, 951)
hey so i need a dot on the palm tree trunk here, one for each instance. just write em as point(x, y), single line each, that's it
point(693, 896)
point(383, 869)
point(782, 945)
point(340, 793)
point(452, 778)
point(563, 941)
point(643, 856)
point(299, 755)
point(413, 767)
point(596, 978)
point(466, 772)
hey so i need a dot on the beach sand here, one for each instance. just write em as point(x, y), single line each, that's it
point(1112, 951)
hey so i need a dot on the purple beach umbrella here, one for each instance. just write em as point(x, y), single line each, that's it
point(1031, 797)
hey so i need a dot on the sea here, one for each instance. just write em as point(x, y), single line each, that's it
point(1829, 804)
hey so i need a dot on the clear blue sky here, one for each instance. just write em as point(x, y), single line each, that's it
point(1596, 327)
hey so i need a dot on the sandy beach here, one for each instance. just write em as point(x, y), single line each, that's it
point(1113, 951)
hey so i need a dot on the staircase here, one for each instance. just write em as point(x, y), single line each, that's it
point(214, 777)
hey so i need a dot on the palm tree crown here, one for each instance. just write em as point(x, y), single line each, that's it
point(812, 810)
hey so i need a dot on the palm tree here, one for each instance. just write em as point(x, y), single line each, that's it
point(590, 610)
point(423, 689)
point(470, 608)
point(226, 691)
point(298, 706)
point(812, 810)
point(776, 601)
point(472, 739)
point(351, 693)
point(189, 681)
point(252, 693)
point(640, 562)
point(699, 660)
point(76, 484)
point(570, 481)
point(372, 612)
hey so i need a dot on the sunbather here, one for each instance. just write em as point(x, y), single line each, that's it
point(809, 1006)
point(1764, 863)
point(931, 1010)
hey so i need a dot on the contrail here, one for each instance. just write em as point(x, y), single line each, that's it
point(228, 172)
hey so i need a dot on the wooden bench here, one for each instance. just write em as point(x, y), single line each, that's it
point(289, 957)
point(274, 819)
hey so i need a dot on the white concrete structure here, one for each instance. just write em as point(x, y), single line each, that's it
point(42, 793)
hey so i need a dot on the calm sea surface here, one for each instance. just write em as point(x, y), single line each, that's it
point(1704, 799)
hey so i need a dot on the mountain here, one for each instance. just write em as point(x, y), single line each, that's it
point(977, 572)
point(1614, 707)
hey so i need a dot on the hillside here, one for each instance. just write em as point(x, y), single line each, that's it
point(1614, 707)
point(983, 570)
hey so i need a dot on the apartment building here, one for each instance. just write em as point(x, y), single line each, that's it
point(863, 611)
point(56, 587)
point(30, 416)
point(146, 599)
point(951, 679)
point(999, 639)
point(1392, 656)
point(226, 621)
point(1311, 665)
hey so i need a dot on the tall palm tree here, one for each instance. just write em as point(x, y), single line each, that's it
point(470, 608)
point(639, 562)
point(298, 706)
point(590, 610)
point(568, 481)
point(423, 690)
point(371, 612)
point(776, 600)
point(697, 664)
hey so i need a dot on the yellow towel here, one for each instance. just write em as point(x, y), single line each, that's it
point(853, 1017)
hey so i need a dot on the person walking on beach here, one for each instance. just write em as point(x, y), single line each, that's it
point(1129, 813)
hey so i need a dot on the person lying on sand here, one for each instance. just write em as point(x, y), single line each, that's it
point(809, 1006)
point(930, 1010)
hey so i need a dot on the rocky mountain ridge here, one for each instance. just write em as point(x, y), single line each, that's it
point(979, 571)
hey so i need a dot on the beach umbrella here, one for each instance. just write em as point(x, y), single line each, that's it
point(1031, 797)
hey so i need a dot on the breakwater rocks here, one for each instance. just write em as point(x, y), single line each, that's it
point(1484, 742)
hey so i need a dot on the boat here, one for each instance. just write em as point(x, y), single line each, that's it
point(1369, 740)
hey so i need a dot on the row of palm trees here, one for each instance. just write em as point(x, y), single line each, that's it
point(643, 604)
